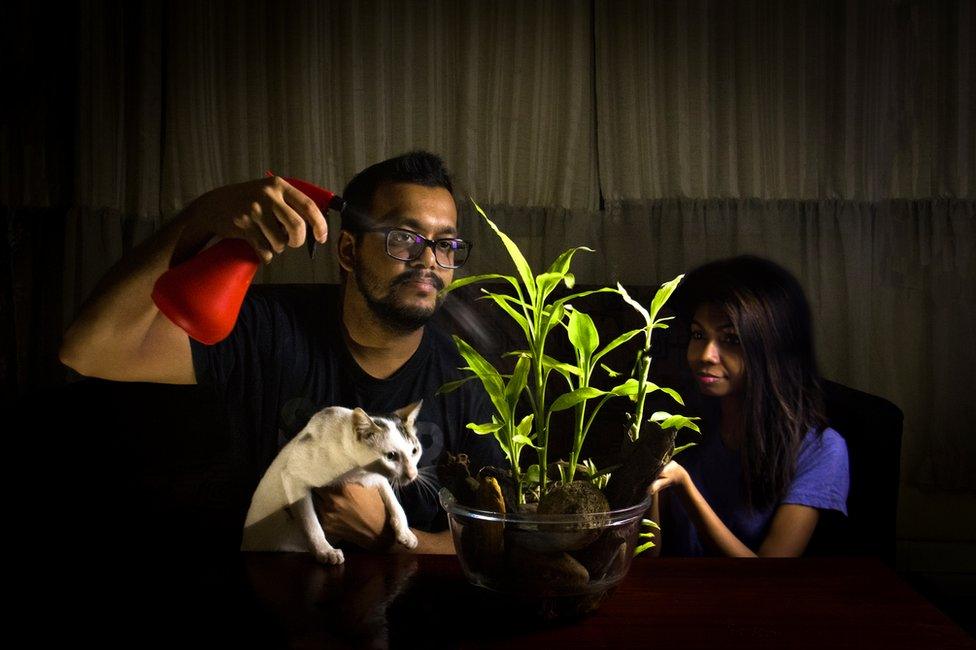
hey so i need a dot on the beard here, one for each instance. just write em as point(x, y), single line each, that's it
point(386, 305)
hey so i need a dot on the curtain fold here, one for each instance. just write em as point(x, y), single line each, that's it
point(503, 90)
point(802, 100)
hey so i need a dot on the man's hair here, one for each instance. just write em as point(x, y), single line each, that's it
point(417, 167)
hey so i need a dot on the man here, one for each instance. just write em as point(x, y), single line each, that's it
point(398, 246)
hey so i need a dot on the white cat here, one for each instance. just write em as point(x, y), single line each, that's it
point(338, 445)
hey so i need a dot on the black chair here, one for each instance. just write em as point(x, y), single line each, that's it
point(872, 428)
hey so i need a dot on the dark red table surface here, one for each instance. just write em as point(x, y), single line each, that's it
point(420, 601)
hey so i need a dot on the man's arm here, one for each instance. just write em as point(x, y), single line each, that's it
point(441, 543)
point(356, 514)
point(120, 334)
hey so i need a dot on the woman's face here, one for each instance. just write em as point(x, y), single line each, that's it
point(715, 354)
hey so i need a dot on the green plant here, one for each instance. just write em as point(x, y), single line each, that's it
point(538, 315)
point(642, 367)
point(650, 533)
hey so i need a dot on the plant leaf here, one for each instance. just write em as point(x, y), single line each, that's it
point(617, 342)
point(517, 383)
point(572, 398)
point(546, 282)
point(633, 303)
point(484, 277)
point(565, 369)
point(452, 386)
point(673, 393)
point(488, 427)
point(490, 378)
point(523, 441)
point(583, 334)
point(524, 427)
point(643, 547)
point(678, 450)
point(582, 294)
point(651, 387)
point(629, 387)
point(503, 302)
point(523, 268)
point(551, 316)
point(678, 422)
point(610, 371)
point(562, 263)
point(663, 294)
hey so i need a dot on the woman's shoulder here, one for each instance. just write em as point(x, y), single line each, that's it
point(822, 478)
point(826, 446)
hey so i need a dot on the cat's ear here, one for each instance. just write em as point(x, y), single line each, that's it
point(362, 424)
point(409, 413)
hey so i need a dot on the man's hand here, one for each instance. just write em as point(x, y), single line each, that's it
point(269, 213)
point(356, 514)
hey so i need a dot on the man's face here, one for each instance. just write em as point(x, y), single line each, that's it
point(403, 294)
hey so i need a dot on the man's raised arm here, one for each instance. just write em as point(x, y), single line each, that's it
point(120, 334)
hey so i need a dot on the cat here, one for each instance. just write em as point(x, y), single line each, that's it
point(338, 445)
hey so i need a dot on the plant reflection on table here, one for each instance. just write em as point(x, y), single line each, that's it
point(328, 606)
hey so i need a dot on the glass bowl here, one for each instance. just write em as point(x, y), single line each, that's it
point(567, 564)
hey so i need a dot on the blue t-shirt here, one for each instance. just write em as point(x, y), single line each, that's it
point(821, 481)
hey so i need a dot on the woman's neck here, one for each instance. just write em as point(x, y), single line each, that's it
point(731, 427)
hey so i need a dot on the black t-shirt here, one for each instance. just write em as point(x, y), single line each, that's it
point(286, 359)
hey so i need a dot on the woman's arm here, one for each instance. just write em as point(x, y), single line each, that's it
point(789, 533)
point(654, 514)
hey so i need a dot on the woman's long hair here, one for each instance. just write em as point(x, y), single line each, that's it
point(782, 396)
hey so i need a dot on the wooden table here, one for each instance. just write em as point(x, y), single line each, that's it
point(287, 600)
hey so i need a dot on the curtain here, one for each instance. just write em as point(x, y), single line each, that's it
point(802, 100)
point(834, 137)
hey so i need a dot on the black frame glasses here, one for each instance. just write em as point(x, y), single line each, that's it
point(444, 247)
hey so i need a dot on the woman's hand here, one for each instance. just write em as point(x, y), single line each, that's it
point(673, 474)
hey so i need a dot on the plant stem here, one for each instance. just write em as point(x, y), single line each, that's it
point(644, 369)
point(544, 423)
point(577, 441)
point(516, 473)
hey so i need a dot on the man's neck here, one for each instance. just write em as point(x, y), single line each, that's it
point(379, 350)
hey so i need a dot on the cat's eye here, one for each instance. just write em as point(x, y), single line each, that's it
point(392, 455)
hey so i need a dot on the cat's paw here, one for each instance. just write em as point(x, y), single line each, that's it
point(331, 556)
point(407, 538)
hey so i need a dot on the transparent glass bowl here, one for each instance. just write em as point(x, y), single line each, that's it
point(578, 559)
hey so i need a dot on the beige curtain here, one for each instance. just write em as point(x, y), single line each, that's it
point(800, 100)
point(834, 137)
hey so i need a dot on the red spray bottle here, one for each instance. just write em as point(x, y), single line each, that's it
point(203, 295)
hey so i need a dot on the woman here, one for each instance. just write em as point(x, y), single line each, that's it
point(766, 465)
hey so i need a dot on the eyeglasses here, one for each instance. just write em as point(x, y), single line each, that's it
point(404, 245)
